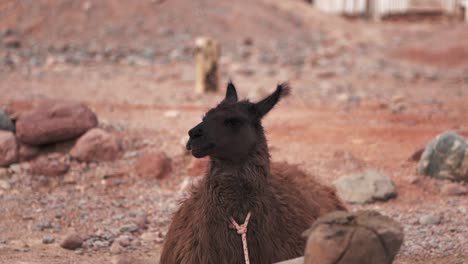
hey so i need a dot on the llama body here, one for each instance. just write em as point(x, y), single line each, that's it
point(282, 200)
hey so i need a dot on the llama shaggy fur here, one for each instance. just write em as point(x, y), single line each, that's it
point(283, 201)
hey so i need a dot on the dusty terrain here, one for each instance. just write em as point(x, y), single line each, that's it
point(365, 95)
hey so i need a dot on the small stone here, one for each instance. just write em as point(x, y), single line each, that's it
point(42, 226)
point(100, 244)
point(172, 113)
point(148, 53)
point(148, 237)
point(54, 164)
point(129, 228)
point(367, 187)
point(5, 185)
point(115, 248)
point(142, 221)
point(430, 219)
point(12, 41)
point(72, 241)
point(153, 165)
point(453, 189)
point(8, 148)
point(19, 245)
point(124, 240)
point(48, 239)
point(118, 217)
point(135, 243)
point(413, 179)
point(27, 152)
point(126, 260)
point(16, 168)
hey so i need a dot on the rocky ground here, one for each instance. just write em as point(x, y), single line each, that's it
point(365, 96)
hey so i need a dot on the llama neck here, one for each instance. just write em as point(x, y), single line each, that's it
point(236, 185)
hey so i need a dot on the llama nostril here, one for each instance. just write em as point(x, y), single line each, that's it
point(195, 132)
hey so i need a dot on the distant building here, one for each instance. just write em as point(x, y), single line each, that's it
point(381, 8)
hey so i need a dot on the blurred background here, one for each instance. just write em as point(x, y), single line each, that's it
point(97, 97)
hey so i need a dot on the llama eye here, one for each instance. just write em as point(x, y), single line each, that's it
point(232, 122)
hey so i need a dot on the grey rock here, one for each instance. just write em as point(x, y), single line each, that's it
point(267, 57)
point(101, 244)
point(148, 53)
point(429, 219)
point(48, 239)
point(5, 122)
point(367, 187)
point(446, 157)
point(129, 228)
point(42, 226)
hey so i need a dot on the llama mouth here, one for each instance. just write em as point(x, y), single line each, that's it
point(203, 151)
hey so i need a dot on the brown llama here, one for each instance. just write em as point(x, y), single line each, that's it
point(282, 200)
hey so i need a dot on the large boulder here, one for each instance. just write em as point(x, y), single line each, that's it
point(367, 187)
point(365, 237)
point(446, 157)
point(54, 121)
point(96, 145)
point(5, 122)
point(153, 165)
point(8, 148)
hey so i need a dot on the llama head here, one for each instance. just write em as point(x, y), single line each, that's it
point(233, 128)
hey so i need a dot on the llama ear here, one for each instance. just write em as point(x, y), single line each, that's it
point(231, 93)
point(265, 105)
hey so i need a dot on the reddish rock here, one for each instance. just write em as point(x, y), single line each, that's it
point(197, 167)
point(54, 121)
point(153, 165)
point(364, 237)
point(8, 148)
point(27, 152)
point(12, 41)
point(454, 189)
point(54, 164)
point(72, 241)
point(96, 145)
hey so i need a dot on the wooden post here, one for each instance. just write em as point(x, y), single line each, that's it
point(465, 7)
point(207, 55)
